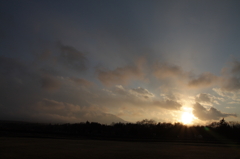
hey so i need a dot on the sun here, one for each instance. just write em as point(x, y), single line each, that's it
point(187, 118)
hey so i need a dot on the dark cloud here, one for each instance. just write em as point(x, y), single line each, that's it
point(121, 75)
point(23, 99)
point(47, 110)
point(44, 55)
point(11, 66)
point(64, 61)
point(47, 106)
point(52, 106)
point(81, 81)
point(204, 80)
point(61, 111)
point(50, 83)
point(72, 58)
point(15, 73)
point(212, 114)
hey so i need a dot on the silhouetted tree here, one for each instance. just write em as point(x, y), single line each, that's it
point(145, 129)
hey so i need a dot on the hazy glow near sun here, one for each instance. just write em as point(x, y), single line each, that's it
point(187, 118)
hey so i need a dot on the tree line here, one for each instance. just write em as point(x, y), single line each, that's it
point(220, 131)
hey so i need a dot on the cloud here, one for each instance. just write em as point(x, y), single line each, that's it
point(72, 58)
point(11, 66)
point(120, 90)
point(219, 91)
point(81, 81)
point(235, 67)
point(209, 114)
point(165, 70)
point(175, 75)
point(73, 103)
point(139, 98)
point(44, 55)
point(168, 104)
point(208, 99)
point(170, 96)
point(65, 61)
point(232, 95)
point(15, 73)
point(230, 81)
point(203, 97)
point(66, 112)
point(48, 106)
point(55, 107)
point(133, 94)
point(230, 84)
point(206, 79)
point(142, 92)
point(121, 75)
point(50, 83)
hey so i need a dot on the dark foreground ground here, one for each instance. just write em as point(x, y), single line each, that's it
point(42, 148)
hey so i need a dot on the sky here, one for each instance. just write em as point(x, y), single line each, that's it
point(119, 61)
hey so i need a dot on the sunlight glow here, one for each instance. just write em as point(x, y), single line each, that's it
point(187, 118)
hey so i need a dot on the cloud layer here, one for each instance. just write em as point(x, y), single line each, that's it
point(66, 92)
point(76, 61)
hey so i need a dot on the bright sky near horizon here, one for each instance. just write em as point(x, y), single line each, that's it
point(114, 61)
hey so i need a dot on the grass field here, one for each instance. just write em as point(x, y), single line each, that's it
point(37, 148)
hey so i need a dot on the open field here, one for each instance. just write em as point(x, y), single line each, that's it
point(37, 148)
